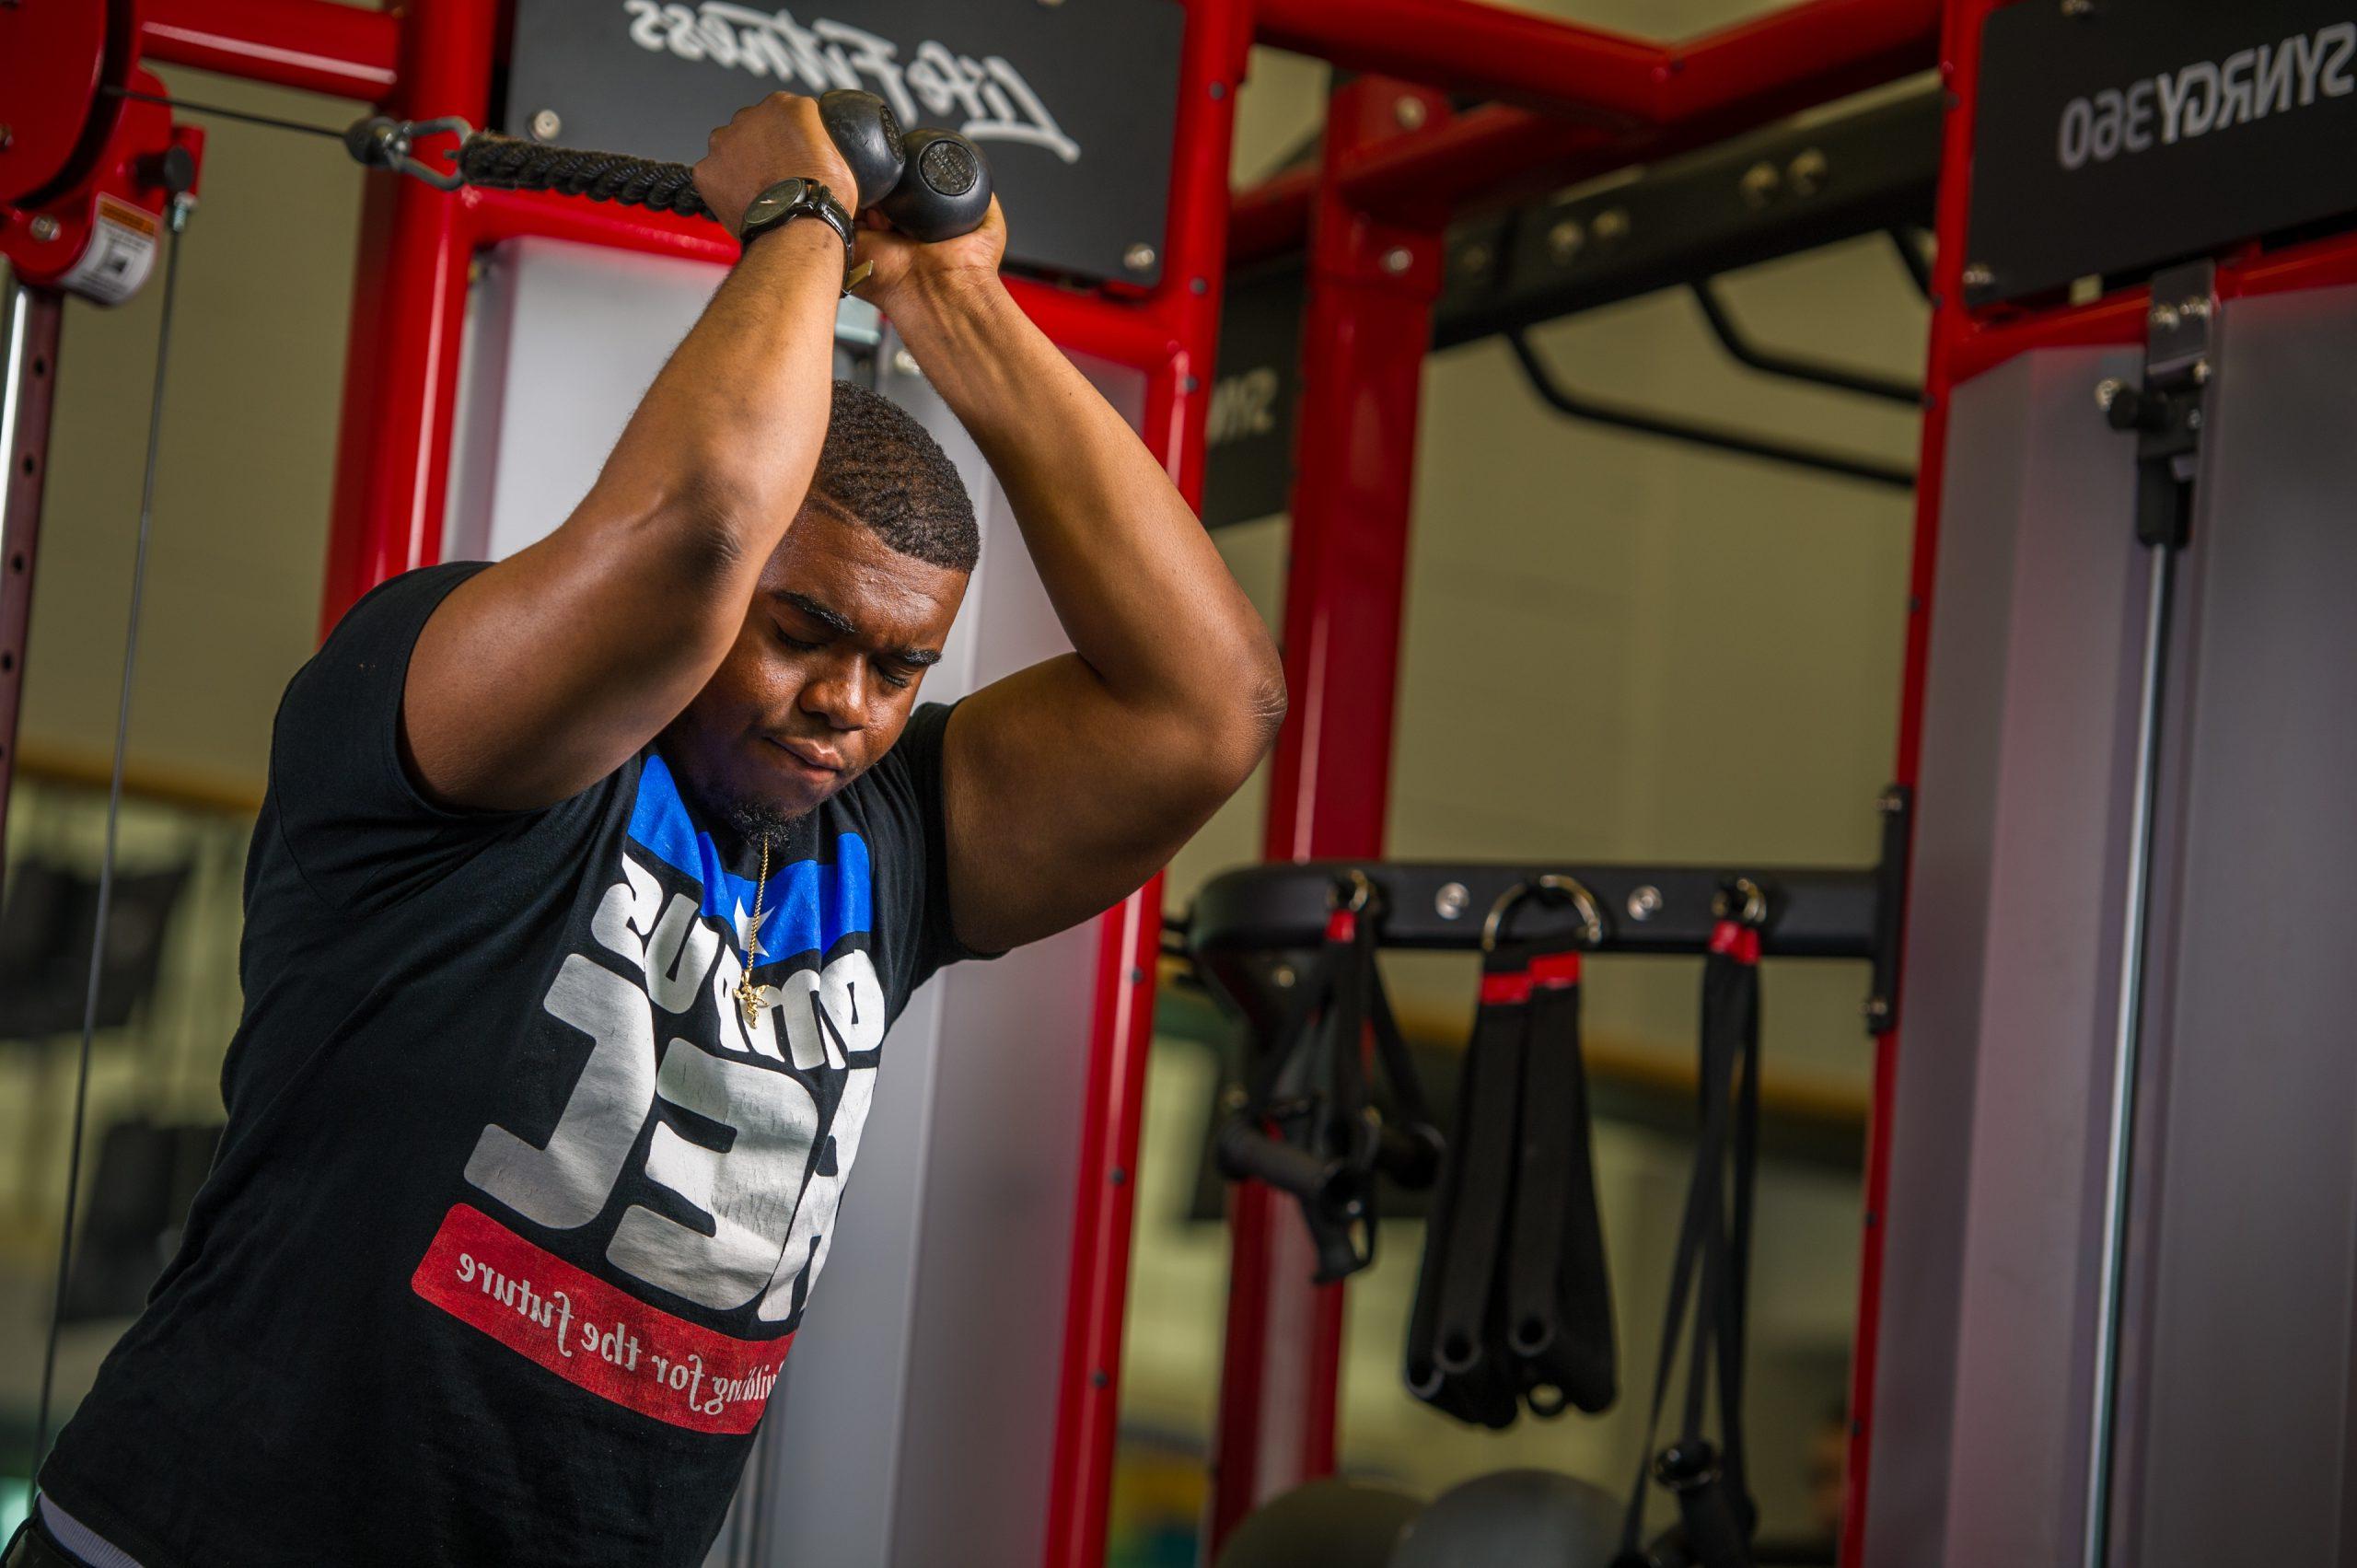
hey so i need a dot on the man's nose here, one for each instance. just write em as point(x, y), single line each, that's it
point(838, 693)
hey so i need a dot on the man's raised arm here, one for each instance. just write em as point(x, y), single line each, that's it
point(544, 672)
point(1067, 784)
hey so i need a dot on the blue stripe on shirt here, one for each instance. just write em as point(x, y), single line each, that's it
point(809, 905)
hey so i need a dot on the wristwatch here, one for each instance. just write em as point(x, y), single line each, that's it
point(791, 199)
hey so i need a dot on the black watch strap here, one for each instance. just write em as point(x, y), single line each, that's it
point(791, 199)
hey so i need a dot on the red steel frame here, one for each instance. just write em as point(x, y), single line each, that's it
point(1571, 101)
point(1371, 215)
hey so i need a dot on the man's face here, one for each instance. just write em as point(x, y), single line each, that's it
point(823, 674)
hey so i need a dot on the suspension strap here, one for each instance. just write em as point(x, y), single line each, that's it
point(1559, 1298)
point(1487, 1128)
point(178, 216)
point(1512, 1305)
point(1712, 1265)
point(1308, 1125)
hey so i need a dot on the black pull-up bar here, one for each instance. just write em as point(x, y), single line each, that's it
point(1245, 922)
point(1598, 411)
point(1793, 367)
point(1813, 914)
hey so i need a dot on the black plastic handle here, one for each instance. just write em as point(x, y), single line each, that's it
point(1244, 1151)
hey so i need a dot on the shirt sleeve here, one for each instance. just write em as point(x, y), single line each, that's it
point(913, 784)
point(351, 817)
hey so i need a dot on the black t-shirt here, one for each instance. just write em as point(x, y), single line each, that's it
point(515, 1217)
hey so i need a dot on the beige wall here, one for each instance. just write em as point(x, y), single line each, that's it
point(247, 458)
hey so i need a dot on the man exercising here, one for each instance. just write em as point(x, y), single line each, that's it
point(587, 885)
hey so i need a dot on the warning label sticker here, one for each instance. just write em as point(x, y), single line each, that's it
point(121, 253)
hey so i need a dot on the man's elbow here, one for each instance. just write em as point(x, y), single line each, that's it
point(1267, 704)
point(1252, 714)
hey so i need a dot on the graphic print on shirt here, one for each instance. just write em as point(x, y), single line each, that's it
point(693, 1155)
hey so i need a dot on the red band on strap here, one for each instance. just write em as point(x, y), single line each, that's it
point(1556, 971)
point(1739, 942)
point(1343, 925)
point(593, 1335)
point(1505, 989)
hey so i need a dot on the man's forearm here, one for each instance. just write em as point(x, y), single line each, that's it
point(726, 440)
point(1134, 576)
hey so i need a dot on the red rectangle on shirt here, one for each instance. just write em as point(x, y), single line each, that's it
point(593, 1335)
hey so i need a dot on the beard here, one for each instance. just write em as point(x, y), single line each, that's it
point(754, 820)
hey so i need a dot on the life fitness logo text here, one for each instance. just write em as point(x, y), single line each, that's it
point(764, 1234)
point(2207, 96)
point(986, 99)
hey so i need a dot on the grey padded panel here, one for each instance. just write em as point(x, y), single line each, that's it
point(2246, 1267)
point(2000, 1116)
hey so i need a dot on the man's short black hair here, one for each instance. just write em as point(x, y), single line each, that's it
point(888, 471)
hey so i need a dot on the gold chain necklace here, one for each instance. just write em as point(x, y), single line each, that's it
point(748, 996)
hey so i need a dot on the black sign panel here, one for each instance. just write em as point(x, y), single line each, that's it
point(2141, 132)
point(1073, 105)
point(1248, 430)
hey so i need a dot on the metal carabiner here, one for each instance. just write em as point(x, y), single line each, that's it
point(1591, 913)
point(1754, 903)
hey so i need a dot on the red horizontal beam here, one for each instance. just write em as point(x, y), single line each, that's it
point(1486, 158)
point(1090, 323)
point(1271, 217)
point(1466, 46)
point(1714, 85)
point(1080, 324)
point(2119, 318)
point(493, 216)
point(1802, 55)
point(313, 44)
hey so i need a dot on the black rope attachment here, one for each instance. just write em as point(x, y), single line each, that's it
point(508, 163)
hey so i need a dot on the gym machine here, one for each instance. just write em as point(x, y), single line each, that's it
point(2080, 1339)
point(2105, 1296)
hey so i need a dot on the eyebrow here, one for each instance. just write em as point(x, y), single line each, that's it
point(835, 620)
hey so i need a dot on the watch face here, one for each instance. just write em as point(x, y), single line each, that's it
point(774, 199)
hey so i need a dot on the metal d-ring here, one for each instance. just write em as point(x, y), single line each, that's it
point(1361, 888)
point(1591, 913)
point(1755, 901)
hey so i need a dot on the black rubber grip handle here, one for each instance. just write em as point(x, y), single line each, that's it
point(1410, 1155)
point(1243, 1150)
point(932, 185)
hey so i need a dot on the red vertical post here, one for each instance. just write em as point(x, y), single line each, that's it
point(409, 303)
point(1185, 306)
point(1366, 328)
point(1959, 66)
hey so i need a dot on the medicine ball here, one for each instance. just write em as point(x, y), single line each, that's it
point(1530, 1519)
point(1325, 1524)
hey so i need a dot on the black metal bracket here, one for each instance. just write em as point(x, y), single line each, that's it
point(2166, 411)
point(1785, 188)
point(1248, 927)
point(1898, 807)
point(1596, 410)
